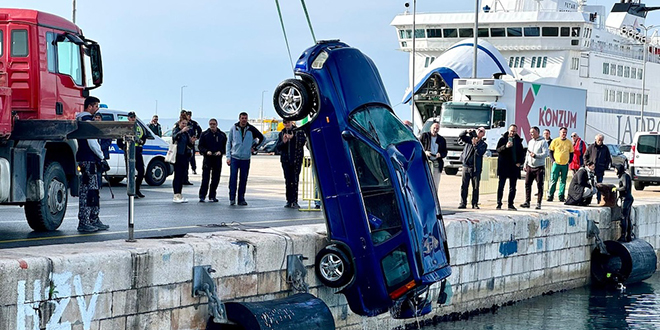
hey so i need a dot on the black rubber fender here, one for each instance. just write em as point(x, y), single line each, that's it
point(626, 262)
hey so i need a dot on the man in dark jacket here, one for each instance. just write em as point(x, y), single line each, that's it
point(599, 154)
point(510, 156)
point(435, 147)
point(582, 187)
point(155, 127)
point(212, 145)
point(625, 193)
point(472, 159)
point(291, 144)
point(195, 132)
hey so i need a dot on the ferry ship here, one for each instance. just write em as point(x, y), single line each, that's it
point(614, 56)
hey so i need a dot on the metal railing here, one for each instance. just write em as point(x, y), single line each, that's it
point(308, 186)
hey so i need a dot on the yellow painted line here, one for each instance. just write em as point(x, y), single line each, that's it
point(228, 225)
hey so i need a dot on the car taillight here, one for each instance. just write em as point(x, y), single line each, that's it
point(402, 290)
point(632, 158)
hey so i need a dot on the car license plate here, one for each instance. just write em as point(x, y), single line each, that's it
point(452, 153)
point(644, 171)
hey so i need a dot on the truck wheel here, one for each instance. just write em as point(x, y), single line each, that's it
point(451, 171)
point(639, 185)
point(156, 173)
point(292, 99)
point(48, 213)
point(333, 268)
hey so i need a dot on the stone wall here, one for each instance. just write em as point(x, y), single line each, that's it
point(496, 258)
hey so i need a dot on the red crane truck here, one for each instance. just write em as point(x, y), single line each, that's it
point(47, 68)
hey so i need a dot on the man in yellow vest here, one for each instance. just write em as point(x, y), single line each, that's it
point(561, 151)
point(140, 140)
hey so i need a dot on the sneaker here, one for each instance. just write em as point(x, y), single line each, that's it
point(498, 207)
point(512, 208)
point(213, 200)
point(178, 198)
point(232, 202)
point(538, 206)
point(201, 200)
point(550, 199)
point(461, 207)
point(561, 199)
point(525, 205)
point(87, 228)
point(295, 205)
point(475, 206)
point(100, 225)
point(242, 203)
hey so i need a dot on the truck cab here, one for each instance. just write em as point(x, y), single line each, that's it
point(47, 68)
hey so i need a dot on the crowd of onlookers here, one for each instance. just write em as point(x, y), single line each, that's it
point(588, 164)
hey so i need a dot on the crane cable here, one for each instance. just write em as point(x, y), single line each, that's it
point(308, 21)
point(286, 40)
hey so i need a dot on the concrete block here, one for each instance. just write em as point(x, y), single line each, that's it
point(150, 321)
point(93, 325)
point(124, 302)
point(162, 264)
point(469, 273)
point(461, 255)
point(485, 270)
point(8, 318)
point(492, 251)
point(453, 230)
point(169, 296)
point(455, 276)
point(524, 281)
point(269, 282)
point(330, 296)
point(340, 314)
point(521, 227)
point(189, 318)
point(103, 307)
point(479, 252)
point(512, 283)
point(118, 323)
point(186, 296)
point(237, 286)
point(518, 264)
point(226, 255)
point(537, 279)
point(497, 266)
point(147, 299)
point(558, 223)
point(466, 233)
point(499, 285)
point(27, 274)
point(507, 265)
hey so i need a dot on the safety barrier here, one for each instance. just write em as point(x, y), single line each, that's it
point(308, 186)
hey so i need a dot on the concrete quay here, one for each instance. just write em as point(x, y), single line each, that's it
point(497, 257)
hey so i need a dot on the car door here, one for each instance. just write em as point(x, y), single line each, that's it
point(646, 156)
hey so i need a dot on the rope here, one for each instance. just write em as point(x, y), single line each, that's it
point(279, 12)
point(308, 21)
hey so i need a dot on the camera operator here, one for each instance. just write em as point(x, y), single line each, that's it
point(472, 159)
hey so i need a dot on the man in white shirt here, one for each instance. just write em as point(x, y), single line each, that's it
point(537, 152)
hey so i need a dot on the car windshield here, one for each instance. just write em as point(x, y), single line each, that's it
point(465, 116)
point(625, 148)
point(381, 125)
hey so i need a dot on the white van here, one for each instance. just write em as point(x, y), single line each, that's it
point(153, 153)
point(645, 161)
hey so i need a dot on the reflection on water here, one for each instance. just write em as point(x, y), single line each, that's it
point(584, 308)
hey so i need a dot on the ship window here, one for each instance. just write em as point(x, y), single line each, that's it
point(545, 61)
point(533, 61)
point(639, 99)
point(575, 42)
point(19, 43)
point(465, 33)
point(532, 32)
point(613, 95)
point(606, 68)
point(575, 63)
point(618, 96)
point(405, 34)
point(550, 31)
point(626, 72)
point(511, 62)
point(575, 32)
point(514, 32)
point(625, 97)
point(434, 33)
point(483, 33)
point(619, 70)
point(613, 69)
point(497, 32)
point(640, 74)
point(633, 73)
point(432, 59)
point(646, 99)
point(404, 44)
point(606, 94)
point(515, 65)
point(419, 33)
point(449, 33)
point(565, 31)
point(426, 63)
point(632, 98)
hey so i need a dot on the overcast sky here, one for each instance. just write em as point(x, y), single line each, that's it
point(228, 52)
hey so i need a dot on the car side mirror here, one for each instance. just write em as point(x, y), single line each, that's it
point(347, 135)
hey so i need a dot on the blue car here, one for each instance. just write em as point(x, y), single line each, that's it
point(386, 237)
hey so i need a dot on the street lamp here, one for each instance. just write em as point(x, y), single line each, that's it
point(645, 50)
point(261, 111)
point(182, 87)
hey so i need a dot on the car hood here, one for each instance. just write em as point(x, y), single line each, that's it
point(423, 210)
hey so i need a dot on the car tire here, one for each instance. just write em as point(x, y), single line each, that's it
point(114, 180)
point(48, 213)
point(451, 171)
point(156, 173)
point(292, 99)
point(333, 268)
point(638, 185)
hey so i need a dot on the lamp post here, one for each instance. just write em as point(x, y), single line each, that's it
point(645, 50)
point(261, 110)
point(412, 88)
point(476, 38)
point(182, 87)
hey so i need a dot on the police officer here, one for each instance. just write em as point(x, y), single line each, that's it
point(140, 140)
point(89, 156)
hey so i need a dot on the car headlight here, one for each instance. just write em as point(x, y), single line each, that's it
point(319, 60)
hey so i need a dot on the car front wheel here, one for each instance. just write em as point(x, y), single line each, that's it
point(292, 99)
point(156, 173)
point(333, 268)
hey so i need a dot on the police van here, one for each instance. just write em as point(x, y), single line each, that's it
point(153, 153)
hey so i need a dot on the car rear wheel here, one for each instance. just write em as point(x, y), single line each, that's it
point(156, 173)
point(639, 185)
point(292, 99)
point(333, 268)
point(451, 171)
point(48, 213)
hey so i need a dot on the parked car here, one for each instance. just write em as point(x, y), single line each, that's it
point(269, 145)
point(386, 236)
point(617, 156)
point(626, 150)
point(645, 161)
point(153, 153)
